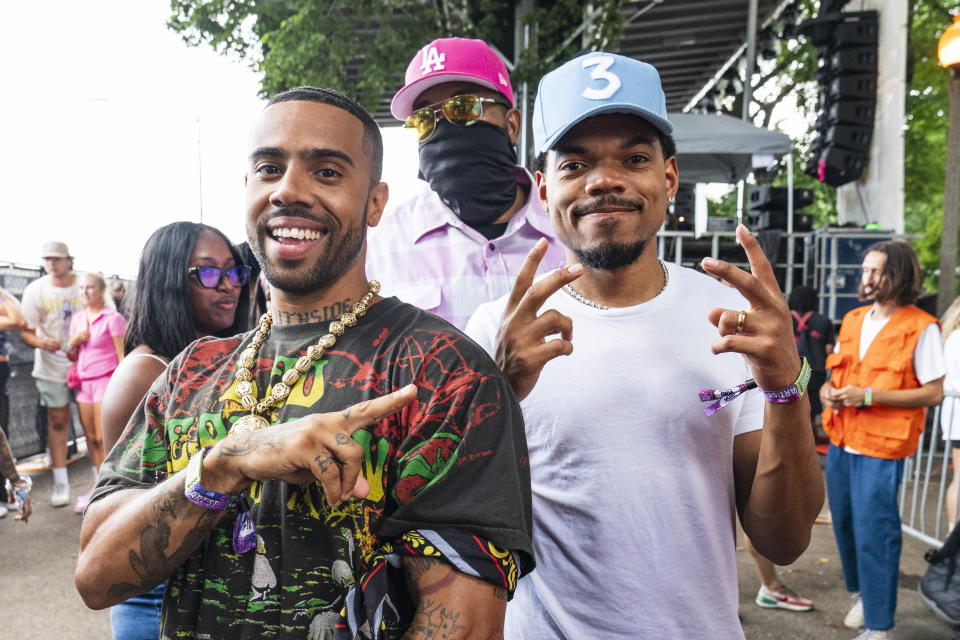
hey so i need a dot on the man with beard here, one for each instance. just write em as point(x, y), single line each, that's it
point(635, 484)
point(237, 478)
point(461, 238)
point(886, 369)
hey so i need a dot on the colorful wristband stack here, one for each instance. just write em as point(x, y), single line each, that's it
point(196, 493)
point(795, 391)
point(724, 397)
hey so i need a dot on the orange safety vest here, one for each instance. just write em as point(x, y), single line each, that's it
point(879, 431)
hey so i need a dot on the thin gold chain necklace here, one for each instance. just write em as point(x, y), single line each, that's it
point(281, 390)
point(579, 297)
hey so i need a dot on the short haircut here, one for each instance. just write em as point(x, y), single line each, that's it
point(667, 145)
point(904, 277)
point(372, 140)
point(161, 311)
point(803, 299)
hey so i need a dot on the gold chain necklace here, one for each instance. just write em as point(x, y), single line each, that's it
point(281, 390)
point(579, 297)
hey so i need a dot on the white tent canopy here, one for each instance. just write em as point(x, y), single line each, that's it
point(720, 148)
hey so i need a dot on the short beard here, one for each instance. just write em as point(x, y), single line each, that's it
point(609, 255)
point(324, 272)
point(867, 295)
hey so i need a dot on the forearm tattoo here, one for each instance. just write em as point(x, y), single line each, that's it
point(323, 314)
point(159, 556)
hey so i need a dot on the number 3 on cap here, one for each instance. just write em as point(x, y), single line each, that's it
point(602, 63)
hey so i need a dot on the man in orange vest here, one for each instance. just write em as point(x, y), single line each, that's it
point(887, 367)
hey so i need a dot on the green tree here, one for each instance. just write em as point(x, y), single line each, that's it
point(925, 138)
point(792, 77)
point(362, 47)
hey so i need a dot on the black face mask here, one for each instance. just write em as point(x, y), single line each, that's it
point(471, 169)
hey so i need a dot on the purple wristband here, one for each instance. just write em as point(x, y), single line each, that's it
point(196, 493)
point(795, 391)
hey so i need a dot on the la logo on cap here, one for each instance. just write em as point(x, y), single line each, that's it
point(433, 58)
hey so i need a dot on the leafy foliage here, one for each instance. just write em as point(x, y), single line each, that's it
point(792, 78)
point(362, 47)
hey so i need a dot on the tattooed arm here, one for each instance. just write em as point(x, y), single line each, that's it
point(452, 605)
point(134, 539)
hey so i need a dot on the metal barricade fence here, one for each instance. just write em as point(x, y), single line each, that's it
point(926, 472)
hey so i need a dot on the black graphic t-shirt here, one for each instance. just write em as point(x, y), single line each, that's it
point(449, 478)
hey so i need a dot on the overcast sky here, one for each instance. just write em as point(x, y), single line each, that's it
point(112, 127)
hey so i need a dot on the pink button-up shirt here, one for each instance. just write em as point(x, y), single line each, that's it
point(424, 254)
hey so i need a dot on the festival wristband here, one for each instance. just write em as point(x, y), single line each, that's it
point(795, 391)
point(723, 397)
point(195, 492)
point(867, 397)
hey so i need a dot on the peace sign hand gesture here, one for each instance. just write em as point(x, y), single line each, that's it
point(764, 333)
point(522, 348)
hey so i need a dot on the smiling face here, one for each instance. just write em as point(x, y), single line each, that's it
point(91, 291)
point(606, 186)
point(212, 310)
point(309, 197)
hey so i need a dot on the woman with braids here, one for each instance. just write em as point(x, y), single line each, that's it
point(190, 284)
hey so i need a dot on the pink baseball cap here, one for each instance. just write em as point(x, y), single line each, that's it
point(451, 60)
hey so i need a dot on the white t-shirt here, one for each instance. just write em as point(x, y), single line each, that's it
point(950, 410)
point(47, 308)
point(633, 494)
point(928, 363)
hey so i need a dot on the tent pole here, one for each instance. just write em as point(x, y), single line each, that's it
point(790, 240)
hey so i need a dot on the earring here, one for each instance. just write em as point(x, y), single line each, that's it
point(670, 200)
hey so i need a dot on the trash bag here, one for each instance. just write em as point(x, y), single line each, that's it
point(940, 587)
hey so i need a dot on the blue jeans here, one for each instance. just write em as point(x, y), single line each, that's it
point(139, 617)
point(866, 522)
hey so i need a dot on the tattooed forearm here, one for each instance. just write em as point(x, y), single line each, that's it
point(8, 468)
point(160, 554)
point(323, 314)
point(434, 621)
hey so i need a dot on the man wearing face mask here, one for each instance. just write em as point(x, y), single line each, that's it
point(461, 239)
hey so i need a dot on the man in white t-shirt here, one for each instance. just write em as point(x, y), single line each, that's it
point(636, 488)
point(47, 306)
point(886, 368)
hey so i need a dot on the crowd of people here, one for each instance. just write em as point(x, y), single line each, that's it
point(540, 429)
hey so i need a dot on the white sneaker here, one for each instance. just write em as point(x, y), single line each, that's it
point(3, 511)
point(871, 634)
point(61, 495)
point(854, 617)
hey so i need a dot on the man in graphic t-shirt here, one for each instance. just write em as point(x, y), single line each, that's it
point(237, 479)
point(47, 305)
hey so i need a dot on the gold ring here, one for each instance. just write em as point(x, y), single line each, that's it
point(741, 318)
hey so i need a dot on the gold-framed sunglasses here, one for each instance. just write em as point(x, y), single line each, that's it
point(462, 110)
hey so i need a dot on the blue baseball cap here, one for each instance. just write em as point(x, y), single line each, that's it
point(595, 83)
